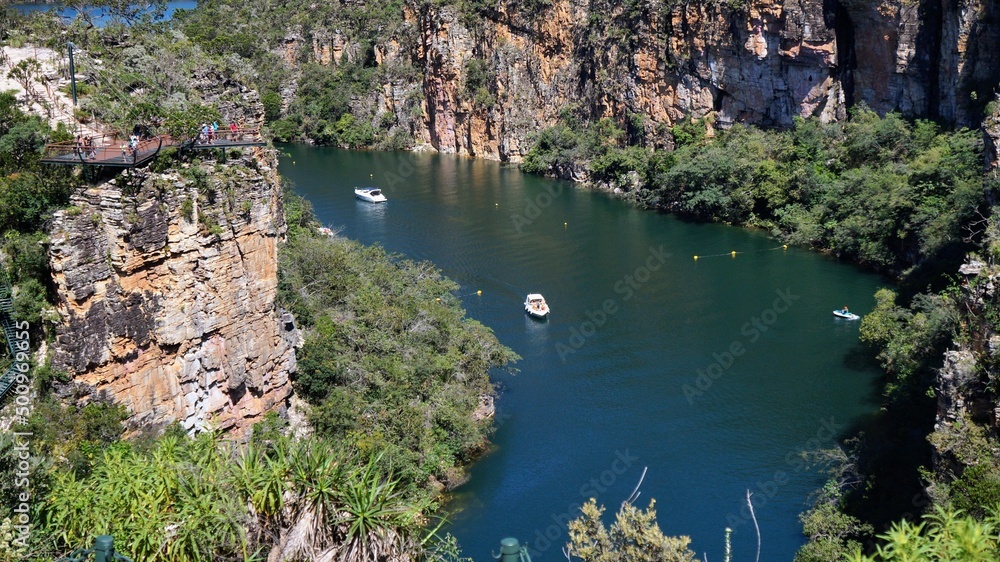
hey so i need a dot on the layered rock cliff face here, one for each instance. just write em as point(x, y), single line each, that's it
point(968, 411)
point(991, 137)
point(167, 285)
point(759, 61)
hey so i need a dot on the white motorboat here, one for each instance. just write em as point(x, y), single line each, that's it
point(535, 305)
point(845, 314)
point(370, 194)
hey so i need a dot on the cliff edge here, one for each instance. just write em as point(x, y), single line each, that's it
point(167, 284)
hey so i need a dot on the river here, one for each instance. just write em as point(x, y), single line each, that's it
point(715, 373)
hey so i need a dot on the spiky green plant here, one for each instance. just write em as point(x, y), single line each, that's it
point(380, 521)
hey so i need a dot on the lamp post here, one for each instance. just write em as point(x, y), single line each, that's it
point(72, 71)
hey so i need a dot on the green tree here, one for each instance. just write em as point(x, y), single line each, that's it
point(633, 537)
point(943, 535)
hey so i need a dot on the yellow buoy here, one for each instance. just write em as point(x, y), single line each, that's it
point(784, 246)
point(479, 292)
point(498, 204)
point(733, 253)
point(565, 225)
point(696, 258)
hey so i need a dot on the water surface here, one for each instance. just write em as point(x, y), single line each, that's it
point(99, 17)
point(610, 383)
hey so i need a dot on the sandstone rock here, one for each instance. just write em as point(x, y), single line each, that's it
point(953, 377)
point(175, 323)
point(991, 134)
point(766, 63)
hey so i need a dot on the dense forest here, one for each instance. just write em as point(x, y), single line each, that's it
point(907, 197)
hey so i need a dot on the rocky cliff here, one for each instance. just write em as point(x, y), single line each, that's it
point(167, 285)
point(656, 62)
point(968, 410)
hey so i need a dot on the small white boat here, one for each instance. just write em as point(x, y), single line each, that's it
point(535, 305)
point(846, 315)
point(370, 194)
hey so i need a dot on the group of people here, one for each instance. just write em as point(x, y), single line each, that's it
point(85, 146)
point(132, 147)
point(210, 132)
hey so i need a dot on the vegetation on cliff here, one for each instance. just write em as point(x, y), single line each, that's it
point(29, 192)
point(330, 104)
point(880, 191)
point(389, 362)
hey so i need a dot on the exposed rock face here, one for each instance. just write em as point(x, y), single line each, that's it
point(967, 409)
point(991, 136)
point(764, 62)
point(954, 379)
point(167, 294)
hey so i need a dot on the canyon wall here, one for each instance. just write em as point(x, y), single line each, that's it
point(167, 284)
point(655, 63)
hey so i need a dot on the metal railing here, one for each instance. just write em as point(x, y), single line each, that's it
point(9, 328)
point(227, 137)
point(104, 149)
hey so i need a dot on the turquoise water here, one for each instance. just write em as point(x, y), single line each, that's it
point(714, 374)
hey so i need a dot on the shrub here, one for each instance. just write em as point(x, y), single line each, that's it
point(187, 209)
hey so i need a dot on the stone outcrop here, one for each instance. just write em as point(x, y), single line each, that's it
point(167, 286)
point(968, 412)
point(763, 62)
point(991, 136)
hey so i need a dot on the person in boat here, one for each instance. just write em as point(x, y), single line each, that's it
point(845, 311)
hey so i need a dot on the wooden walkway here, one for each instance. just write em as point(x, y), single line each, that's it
point(114, 152)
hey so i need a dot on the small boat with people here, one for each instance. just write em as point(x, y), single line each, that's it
point(536, 306)
point(845, 314)
point(370, 194)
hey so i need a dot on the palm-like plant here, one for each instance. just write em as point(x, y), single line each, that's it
point(315, 473)
point(196, 500)
point(379, 520)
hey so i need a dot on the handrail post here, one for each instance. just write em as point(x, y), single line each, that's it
point(512, 551)
point(104, 548)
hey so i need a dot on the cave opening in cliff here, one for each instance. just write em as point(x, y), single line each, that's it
point(847, 61)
